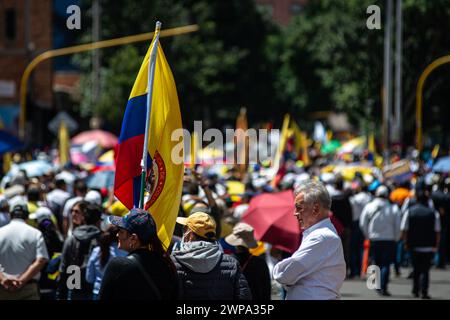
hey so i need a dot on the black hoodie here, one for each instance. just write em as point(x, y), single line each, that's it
point(76, 251)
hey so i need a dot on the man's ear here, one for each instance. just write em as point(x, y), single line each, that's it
point(134, 237)
point(316, 209)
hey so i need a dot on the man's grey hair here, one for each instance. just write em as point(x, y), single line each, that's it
point(314, 191)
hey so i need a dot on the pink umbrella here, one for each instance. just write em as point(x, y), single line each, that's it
point(272, 217)
point(104, 138)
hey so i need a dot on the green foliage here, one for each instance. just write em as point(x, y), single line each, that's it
point(325, 59)
point(331, 61)
point(223, 66)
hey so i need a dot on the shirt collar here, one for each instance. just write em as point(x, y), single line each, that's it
point(320, 224)
point(380, 199)
point(18, 220)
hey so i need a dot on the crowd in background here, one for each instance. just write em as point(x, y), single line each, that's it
point(70, 227)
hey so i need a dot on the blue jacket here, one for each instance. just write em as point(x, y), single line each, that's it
point(94, 271)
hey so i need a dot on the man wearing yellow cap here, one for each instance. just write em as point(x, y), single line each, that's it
point(201, 263)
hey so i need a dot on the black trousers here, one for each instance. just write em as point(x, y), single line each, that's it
point(421, 262)
point(383, 251)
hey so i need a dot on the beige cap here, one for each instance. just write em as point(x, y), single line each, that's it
point(242, 236)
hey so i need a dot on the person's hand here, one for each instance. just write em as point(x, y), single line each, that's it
point(18, 284)
point(199, 179)
point(11, 283)
point(7, 283)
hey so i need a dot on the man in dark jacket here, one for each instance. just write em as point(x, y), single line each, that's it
point(342, 210)
point(204, 271)
point(254, 268)
point(421, 232)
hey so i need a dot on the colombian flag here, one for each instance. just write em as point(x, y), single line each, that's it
point(164, 176)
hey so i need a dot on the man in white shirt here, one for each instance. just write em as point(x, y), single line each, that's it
point(57, 197)
point(22, 256)
point(317, 269)
point(380, 223)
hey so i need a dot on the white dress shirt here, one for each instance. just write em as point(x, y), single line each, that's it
point(20, 246)
point(380, 220)
point(317, 269)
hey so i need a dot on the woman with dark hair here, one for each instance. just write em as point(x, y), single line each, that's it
point(148, 272)
point(77, 249)
point(79, 213)
point(100, 256)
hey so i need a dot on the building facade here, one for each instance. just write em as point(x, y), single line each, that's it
point(25, 32)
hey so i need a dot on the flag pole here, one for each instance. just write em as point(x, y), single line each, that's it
point(151, 76)
point(282, 144)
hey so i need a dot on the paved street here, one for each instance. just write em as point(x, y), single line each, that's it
point(399, 287)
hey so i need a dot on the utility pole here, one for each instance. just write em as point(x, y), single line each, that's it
point(398, 73)
point(29, 48)
point(387, 74)
point(96, 59)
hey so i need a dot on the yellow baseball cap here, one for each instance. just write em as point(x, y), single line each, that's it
point(202, 224)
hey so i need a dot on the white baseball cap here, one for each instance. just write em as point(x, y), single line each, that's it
point(382, 191)
point(41, 214)
point(328, 177)
point(94, 197)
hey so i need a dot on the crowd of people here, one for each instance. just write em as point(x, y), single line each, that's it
point(61, 240)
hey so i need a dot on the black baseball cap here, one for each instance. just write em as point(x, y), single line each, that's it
point(20, 208)
point(137, 221)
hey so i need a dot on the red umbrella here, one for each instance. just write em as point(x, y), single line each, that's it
point(104, 138)
point(272, 217)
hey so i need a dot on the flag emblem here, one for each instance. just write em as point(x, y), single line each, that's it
point(155, 179)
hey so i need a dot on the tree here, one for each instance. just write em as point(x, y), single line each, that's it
point(217, 69)
point(331, 61)
point(426, 39)
point(119, 64)
point(326, 59)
